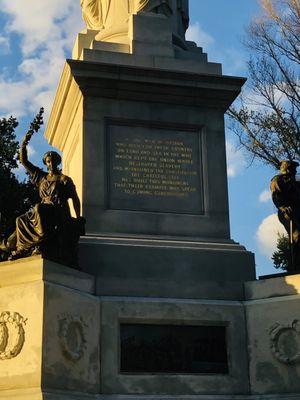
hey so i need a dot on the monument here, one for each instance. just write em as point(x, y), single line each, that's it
point(166, 304)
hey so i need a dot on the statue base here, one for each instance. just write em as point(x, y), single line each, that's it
point(60, 341)
point(148, 42)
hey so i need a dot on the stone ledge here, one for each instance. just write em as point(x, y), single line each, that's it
point(273, 287)
point(36, 268)
point(38, 395)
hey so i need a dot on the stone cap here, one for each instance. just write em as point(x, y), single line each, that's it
point(36, 268)
point(280, 286)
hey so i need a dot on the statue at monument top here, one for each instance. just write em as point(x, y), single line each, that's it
point(113, 15)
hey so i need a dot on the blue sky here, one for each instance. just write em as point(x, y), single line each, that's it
point(36, 37)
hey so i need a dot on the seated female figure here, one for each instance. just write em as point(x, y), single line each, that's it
point(48, 227)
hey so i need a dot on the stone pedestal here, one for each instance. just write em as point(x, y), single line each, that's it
point(59, 340)
point(49, 341)
point(142, 136)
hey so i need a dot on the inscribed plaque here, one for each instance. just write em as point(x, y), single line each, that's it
point(155, 168)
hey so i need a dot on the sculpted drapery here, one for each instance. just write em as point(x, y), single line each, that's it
point(104, 14)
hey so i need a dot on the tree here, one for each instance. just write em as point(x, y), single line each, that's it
point(282, 256)
point(267, 119)
point(15, 197)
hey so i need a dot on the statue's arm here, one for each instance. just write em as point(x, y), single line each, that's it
point(23, 155)
point(74, 197)
point(279, 196)
point(76, 204)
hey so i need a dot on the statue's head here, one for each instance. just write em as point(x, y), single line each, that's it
point(288, 167)
point(52, 160)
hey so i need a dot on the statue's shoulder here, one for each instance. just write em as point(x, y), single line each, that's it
point(65, 179)
point(37, 175)
point(276, 183)
point(276, 178)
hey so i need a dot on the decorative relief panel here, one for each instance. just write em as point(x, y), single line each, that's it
point(72, 336)
point(285, 342)
point(12, 334)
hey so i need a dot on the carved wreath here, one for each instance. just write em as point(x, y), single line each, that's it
point(72, 325)
point(12, 334)
point(275, 333)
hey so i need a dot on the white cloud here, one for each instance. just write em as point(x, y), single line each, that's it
point(256, 102)
point(265, 196)
point(4, 45)
point(231, 58)
point(235, 160)
point(267, 234)
point(39, 23)
point(196, 34)
point(47, 31)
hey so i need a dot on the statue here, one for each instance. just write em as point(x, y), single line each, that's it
point(286, 197)
point(113, 15)
point(47, 228)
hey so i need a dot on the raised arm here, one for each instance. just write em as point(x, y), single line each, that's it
point(34, 127)
point(23, 156)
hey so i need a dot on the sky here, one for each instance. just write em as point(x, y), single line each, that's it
point(36, 37)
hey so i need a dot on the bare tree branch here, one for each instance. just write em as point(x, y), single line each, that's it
point(267, 119)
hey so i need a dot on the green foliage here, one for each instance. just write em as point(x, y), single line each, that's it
point(267, 117)
point(15, 197)
point(8, 144)
point(282, 256)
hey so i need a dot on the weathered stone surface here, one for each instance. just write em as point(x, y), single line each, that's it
point(164, 268)
point(49, 329)
point(24, 369)
point(132, 310)
point(190, 102)
point(64, 331)
point(272, 312)
point(192, 237)
point(36, 269)
point(272, 287)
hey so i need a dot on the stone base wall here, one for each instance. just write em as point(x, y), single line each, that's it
point(60, 340)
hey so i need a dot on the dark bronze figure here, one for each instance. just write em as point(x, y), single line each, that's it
point(47, 228)
point(286, 197)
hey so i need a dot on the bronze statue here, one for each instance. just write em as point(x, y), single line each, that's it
point(286, 197)
point(47, 228)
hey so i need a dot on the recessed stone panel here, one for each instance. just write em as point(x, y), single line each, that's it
point(173, 349)
point(154, 167)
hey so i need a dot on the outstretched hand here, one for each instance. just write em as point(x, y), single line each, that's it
point(27, 138)
point(34, 127)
